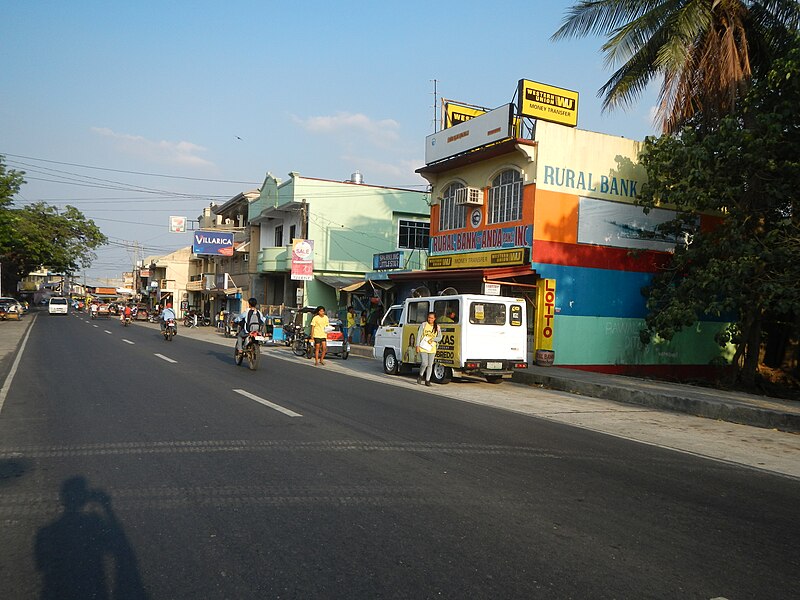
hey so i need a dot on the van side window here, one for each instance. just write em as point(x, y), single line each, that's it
point(446, 311)
point(417, 312)
point(392, 318)
point(487, 313)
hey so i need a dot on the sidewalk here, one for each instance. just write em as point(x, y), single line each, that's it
point(734, 407)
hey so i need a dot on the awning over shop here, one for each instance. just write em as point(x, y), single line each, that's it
point(338, 282)
point(370, 284)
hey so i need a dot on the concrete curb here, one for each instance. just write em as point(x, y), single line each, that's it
point(676, 399)
point(693, 404)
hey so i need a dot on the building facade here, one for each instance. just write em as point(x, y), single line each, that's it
point(553, 219)
point(348, 222)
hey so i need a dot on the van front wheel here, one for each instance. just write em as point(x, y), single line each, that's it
point(441, 374)
point(390, 365)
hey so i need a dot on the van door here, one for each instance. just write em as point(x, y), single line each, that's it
point(496, 330)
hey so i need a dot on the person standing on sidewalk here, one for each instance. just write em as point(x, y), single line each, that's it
point(429, 335)
point(319, 331)
point(351, 323)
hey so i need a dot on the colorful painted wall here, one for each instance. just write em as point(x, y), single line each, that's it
point(602, 250)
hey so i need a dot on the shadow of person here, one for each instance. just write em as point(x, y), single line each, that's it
point(85, 553)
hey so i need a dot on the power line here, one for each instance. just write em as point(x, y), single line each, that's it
point(55, 162)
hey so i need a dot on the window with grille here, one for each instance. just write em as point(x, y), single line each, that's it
point(451, 215)
point(505, 197)
point(279, 236)
point(414, 235)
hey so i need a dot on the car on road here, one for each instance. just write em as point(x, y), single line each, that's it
point(10, 309)
point(57, 306)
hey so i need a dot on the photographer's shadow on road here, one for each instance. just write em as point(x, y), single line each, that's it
point(85, 553)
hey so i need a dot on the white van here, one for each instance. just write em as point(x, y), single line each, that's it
point(482, 335)
point(57, 306)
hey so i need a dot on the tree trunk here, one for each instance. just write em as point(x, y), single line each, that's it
point(752, 351)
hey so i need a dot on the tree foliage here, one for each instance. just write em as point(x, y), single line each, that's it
point(746, 171)
point(704, 51)
point(39, 235)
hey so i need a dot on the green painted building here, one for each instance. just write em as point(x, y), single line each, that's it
point(348, 222)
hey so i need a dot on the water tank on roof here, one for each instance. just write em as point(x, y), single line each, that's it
point(357, 177)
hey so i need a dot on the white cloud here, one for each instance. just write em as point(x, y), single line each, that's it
point(162, 152)
point(401, 171)
point(379, 132)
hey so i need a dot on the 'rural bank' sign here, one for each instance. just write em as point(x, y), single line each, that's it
point(490, 238)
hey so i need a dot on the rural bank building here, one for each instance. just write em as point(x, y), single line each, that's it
point(552, 219)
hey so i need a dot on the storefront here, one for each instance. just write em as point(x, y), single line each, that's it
point(553, 219)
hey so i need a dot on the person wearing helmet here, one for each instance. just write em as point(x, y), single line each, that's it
point(166, 315)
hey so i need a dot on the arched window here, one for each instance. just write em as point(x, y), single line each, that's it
point(451, 216)
point(505, 197)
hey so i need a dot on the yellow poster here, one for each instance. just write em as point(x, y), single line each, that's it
point(548, 103)
point(448, 350)
point(545, 313)
point(464, 260)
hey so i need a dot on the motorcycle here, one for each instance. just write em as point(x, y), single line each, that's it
point(126, 321)
point(250, 350)
point(170, 330)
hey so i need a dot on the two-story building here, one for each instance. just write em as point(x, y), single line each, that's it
point(552, 218)
point(347, 222)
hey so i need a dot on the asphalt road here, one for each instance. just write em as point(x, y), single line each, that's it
point(122, 471)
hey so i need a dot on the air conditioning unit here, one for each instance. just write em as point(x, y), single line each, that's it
point(469, 195)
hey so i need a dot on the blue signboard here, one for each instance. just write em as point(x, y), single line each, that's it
point(219, 243)
point(387, 260)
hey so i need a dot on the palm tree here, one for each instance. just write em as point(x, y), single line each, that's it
point(707, 51)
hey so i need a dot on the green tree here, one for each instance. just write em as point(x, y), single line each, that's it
point(705, 51)
point(746, 171)
point(39, 234)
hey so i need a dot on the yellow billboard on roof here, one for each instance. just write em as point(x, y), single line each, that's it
point(548, 103)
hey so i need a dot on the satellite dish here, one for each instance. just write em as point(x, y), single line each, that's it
point(449, 291)
point(420, 292)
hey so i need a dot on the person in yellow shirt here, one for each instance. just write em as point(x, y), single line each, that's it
point(351, 323)
point(429, 335)
point(319, 325)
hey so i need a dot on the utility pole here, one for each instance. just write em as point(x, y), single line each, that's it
point(304, 235)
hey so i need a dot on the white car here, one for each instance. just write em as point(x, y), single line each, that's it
point(57, 306)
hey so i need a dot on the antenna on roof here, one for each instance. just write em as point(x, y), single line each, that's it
point(435, 106)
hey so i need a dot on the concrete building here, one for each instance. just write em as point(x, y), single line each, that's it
point(552, 219)
point(348, 222)
point(222, 283)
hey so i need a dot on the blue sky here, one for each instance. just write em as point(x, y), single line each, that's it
point(215, 95)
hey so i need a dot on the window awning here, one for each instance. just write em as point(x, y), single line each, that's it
point(339, 282)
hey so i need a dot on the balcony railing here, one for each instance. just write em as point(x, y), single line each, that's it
point(275, 259)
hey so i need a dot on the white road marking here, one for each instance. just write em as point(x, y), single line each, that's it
point(127, 341)
point(95, 325)
point(12, 372)
point(285, 411)
point(107, 331)
point(162, 357)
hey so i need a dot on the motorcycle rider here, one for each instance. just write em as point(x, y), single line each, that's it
point(166, 315)
point(250, 320)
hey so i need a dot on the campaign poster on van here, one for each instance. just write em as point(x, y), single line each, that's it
point(447, 351)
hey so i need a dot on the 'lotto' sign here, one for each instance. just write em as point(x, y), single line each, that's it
point(545, 313)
